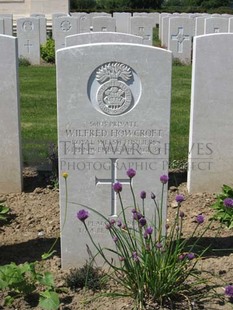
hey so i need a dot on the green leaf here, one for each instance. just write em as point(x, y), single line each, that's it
point(47, 255)
point(47, 279)
point(8, 301)
point(49, 300)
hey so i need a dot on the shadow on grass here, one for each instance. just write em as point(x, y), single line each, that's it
point(29, 251)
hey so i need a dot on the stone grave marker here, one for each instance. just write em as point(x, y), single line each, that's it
point(164, 31)
point(43, 24)
point(28, 33)
point(10, 151)
point(96, 37)
point(215, 25)
point(122, 22)
point(2, 31)
point(210, 147)
point(199, 25)
point(113, 114)
point(180, 34)
point(64, 26)
point(143, 27)
point(104, 23)
point(8, 23)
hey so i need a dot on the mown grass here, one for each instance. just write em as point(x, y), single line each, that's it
point(38, 112)
point(39, 116)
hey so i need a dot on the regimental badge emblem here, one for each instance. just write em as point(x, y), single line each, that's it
point(114, 96)
point(114, 88)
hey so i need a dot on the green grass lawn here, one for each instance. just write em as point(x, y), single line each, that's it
point(39, 116)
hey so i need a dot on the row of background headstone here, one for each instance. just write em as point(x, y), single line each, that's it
point(176, 31)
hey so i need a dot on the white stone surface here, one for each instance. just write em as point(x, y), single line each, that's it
point(143, 27)
point(211, 148)
point(180, 34)
point(84, 23)
point(96, 37)
point(123, 23)
point(28, 33)
point(199, 25)
point(164, 31)
point(161, 16)
point(230, 25)
point(100, 137)
point(7, 24)
point(64, 26)
point(2, 31)
point(10, 151)
point(43, 24)
point(103, 23)
point(27, 7)
point(216, 25)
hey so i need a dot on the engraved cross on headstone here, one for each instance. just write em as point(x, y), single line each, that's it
point(111, 181)
point(28, 45)
point(180, 37)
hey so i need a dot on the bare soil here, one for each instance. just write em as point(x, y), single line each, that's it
point(34, 226)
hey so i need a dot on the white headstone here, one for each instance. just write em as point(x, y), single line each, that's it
point(8, 23)
point(64, 26)
point(104, 23)
point(211, 127)
point(199, 25)
point(84, 23)
point(216, 25)
point(10, 151)
point(161, 16)
point(230, 25)
point(106, 124)
point(164, 31)
point(122, 22)
point(54, 16)
point(155, 16)
point(2, 31)
point(43, 25)
point(181, 31)
point(143, 27)
point(28, 33)
point(96, 37)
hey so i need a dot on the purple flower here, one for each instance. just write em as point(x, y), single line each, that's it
point(142, 221)
point(135, 257)
point(82, 215)
point(200, 218)
point(112, 221)
point(190, 256)
point(229, 290)
point(117, 187)
point(158, 245)
point(181, 214)
point(115, 239)
point(119, 223)
point(153, 196)
point(228, 202)
point(179, 198)
point(149, 230)
point(136, 215)
point(143, 194)
point(164, 179)
point(131, 173)
point(121, 258)
point(145, 235)
point(182, 257)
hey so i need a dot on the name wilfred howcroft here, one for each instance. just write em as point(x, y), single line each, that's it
point(94, 149)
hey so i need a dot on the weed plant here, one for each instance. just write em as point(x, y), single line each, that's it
point(155, 264)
